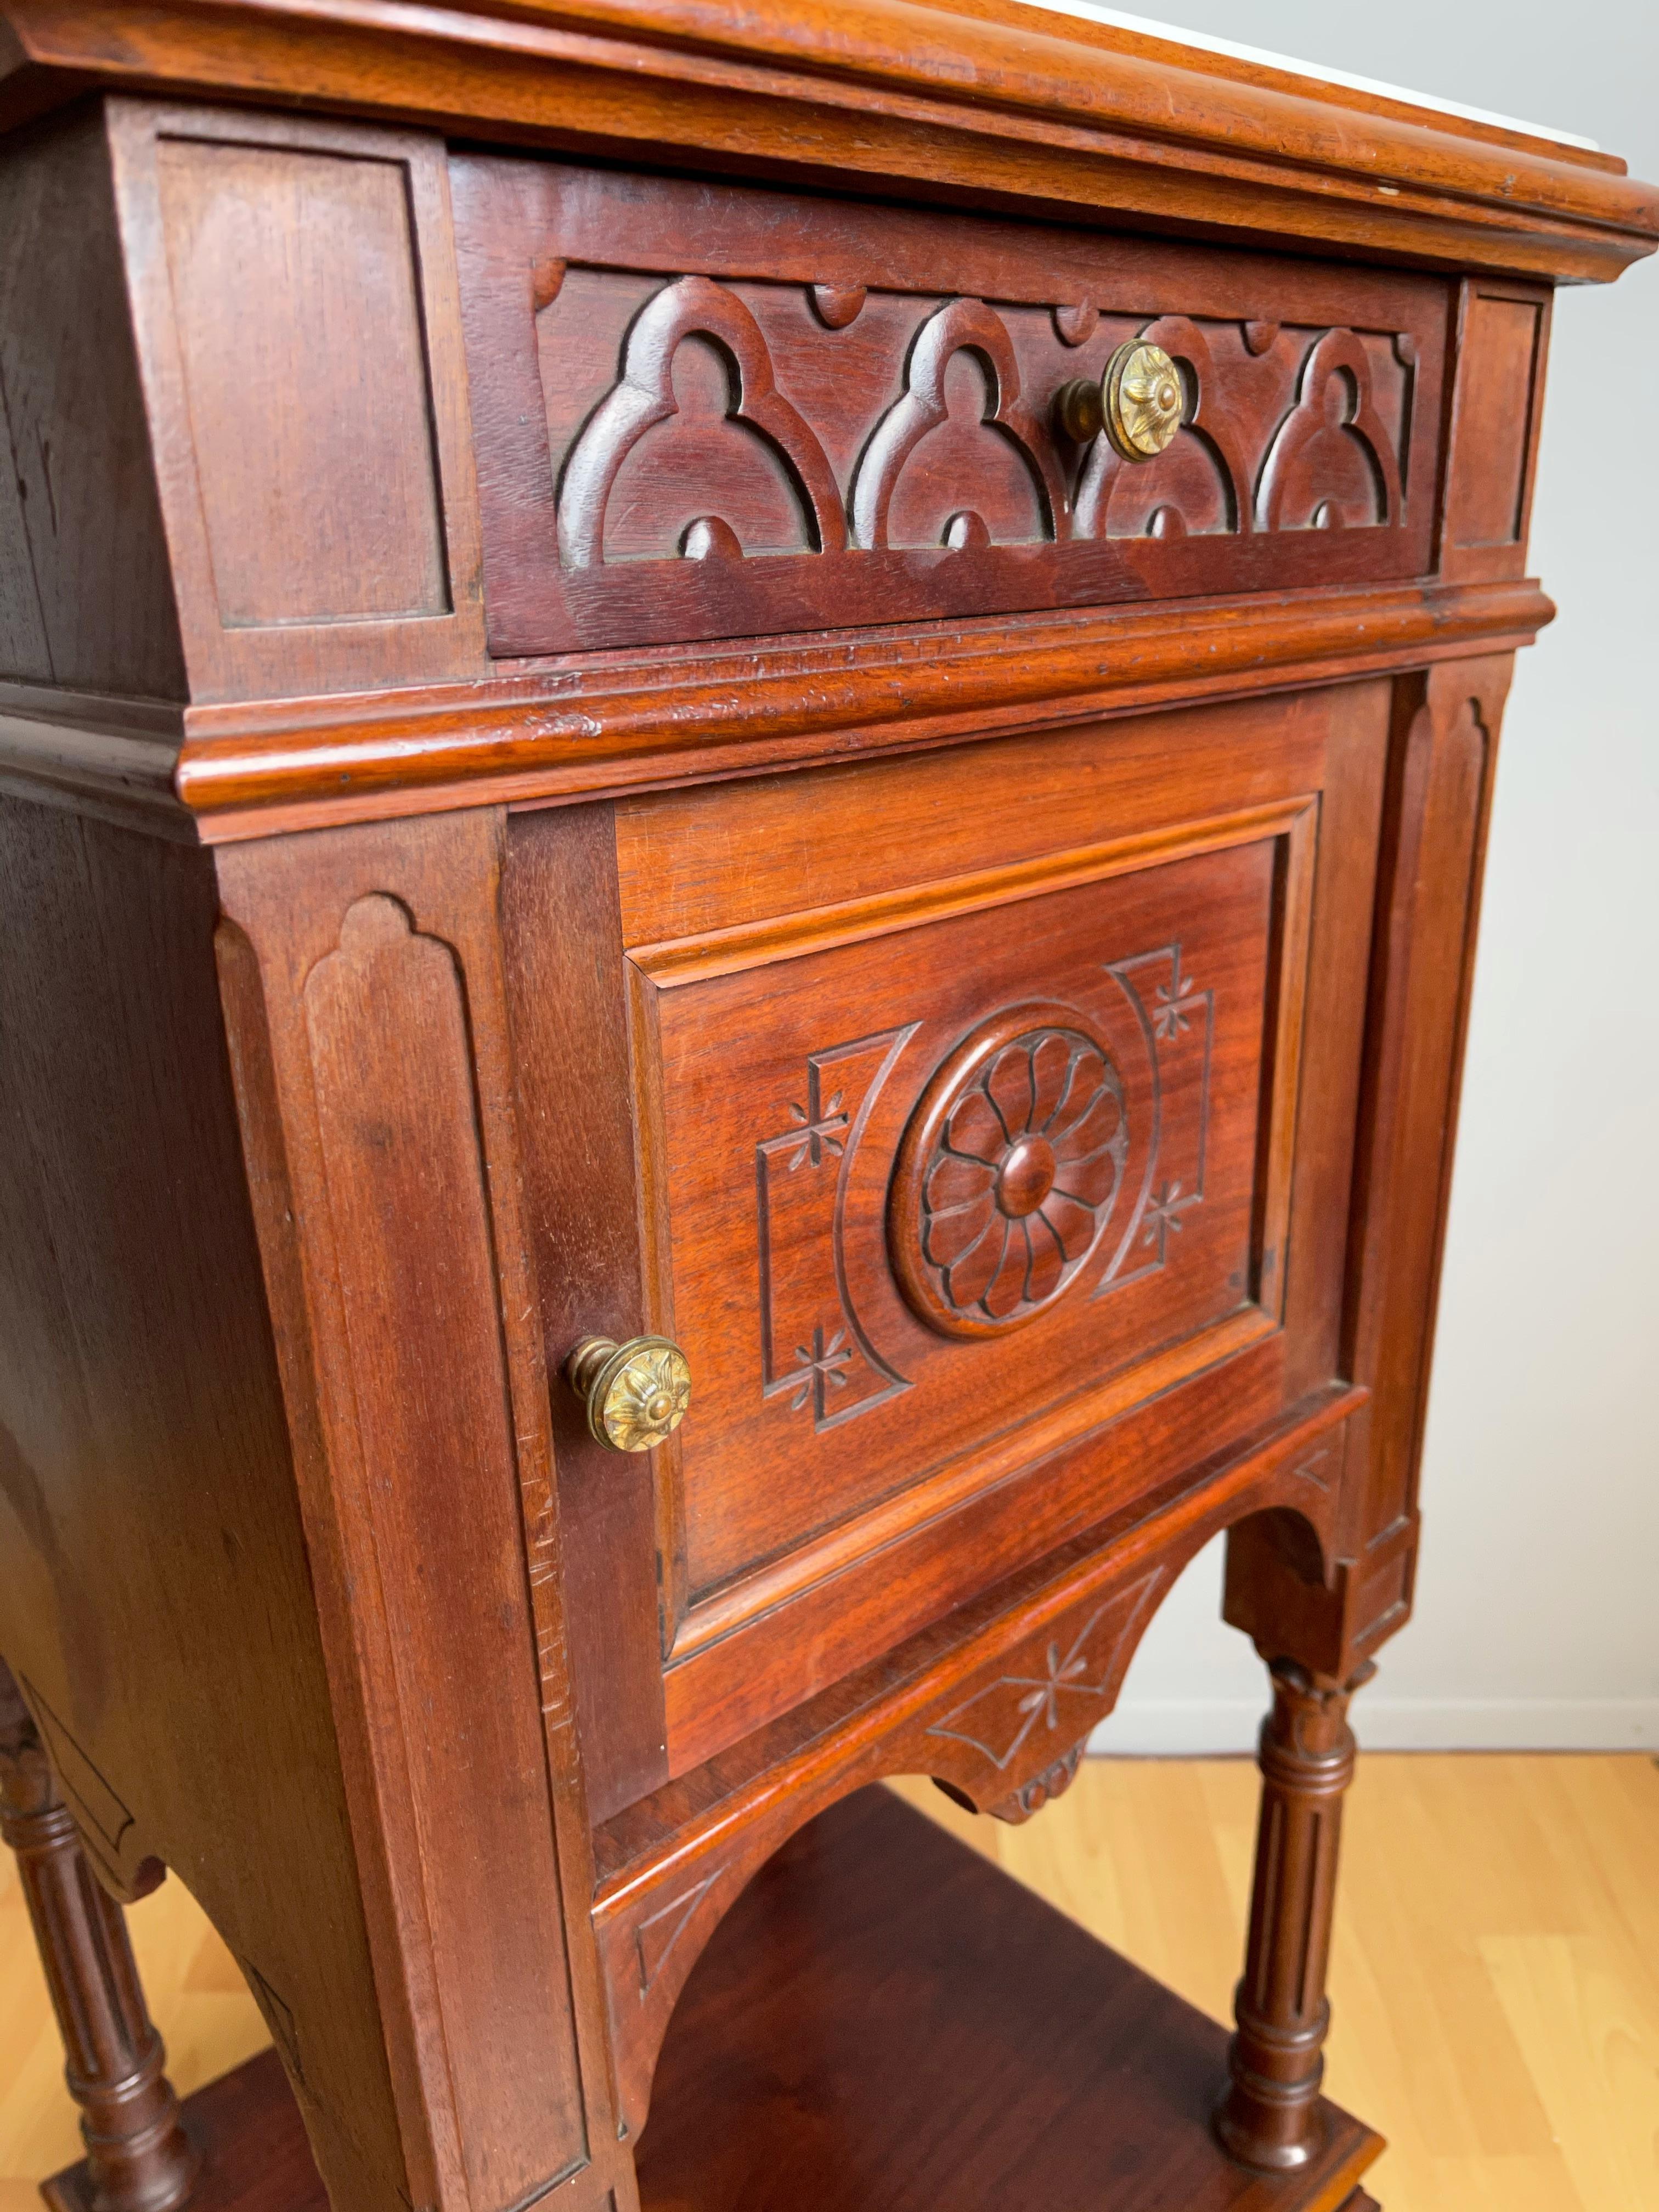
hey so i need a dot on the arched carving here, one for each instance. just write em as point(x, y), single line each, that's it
point(963, 325)
point(1206, 430)
point(1000, 1717)
point(692, 307)
point(1334, 424)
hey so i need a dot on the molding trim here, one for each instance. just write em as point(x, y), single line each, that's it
point(1038, 110)
point(600, 727)
point(608, 725)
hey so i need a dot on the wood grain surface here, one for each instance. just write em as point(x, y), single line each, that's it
point(1015, 106)
point(1495, 1978)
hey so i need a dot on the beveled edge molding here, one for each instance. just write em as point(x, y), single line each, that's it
point(608, 724)
point(620, 723)
point(1027, 107)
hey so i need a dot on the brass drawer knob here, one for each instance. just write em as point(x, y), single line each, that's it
point(635, 1394)
point(1144, 400)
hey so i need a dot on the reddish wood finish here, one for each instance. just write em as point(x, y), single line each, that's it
point(1269, 2117)
point(859, 1925)
point(724, 820)
point(254, 2154)
point(995, 1701)
point(1055, 2070)
point(991, 101)
point(138, 2158)
point(1068, 880)
point(374, 1092)
point(669, 400)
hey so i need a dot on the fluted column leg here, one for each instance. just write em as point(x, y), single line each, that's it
point(1307, 1757)
point(138, 2158)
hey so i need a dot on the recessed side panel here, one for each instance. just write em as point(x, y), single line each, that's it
point(292, 291)
point(1497, 399)
point(294, 282)
point(86, 599)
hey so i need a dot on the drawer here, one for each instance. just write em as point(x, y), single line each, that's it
point(707, 410)
point(979, 1122)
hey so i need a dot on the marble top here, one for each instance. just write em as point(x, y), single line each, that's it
point(1205, 43)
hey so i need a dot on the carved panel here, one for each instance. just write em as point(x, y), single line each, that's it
point(984, 405)
point(1332, 463)
point(748, 410)
point(738, 413)
point(1008, 1171)
point(829, 1366)
point(1199, 483)
point(967, 1204)
point(1054, 1692)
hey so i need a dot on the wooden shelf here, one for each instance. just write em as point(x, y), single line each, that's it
point(885, 2023)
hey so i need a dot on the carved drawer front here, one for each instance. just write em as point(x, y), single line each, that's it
point(991, 1113)
point(707, 410)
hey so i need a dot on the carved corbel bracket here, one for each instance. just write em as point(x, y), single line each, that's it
point(46, 1777)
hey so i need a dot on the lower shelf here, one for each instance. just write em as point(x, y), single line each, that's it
point(885, 2023)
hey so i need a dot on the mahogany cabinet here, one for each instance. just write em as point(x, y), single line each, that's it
point(744, 769)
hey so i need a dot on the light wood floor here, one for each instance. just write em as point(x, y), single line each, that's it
point(1495, 1981)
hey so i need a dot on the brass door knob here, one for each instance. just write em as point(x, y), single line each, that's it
point(1144, 400)
point(635, 1394)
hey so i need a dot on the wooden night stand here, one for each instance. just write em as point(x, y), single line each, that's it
point(745, 761)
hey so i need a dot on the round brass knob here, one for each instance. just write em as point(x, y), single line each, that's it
point(635, 1394)
point(1145, 400)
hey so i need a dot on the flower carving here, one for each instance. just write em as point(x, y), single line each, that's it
point(1145, 400)
point(1024, 1154)
point(647, 1398)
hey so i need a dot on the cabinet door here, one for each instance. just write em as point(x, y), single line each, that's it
point(982, 1124)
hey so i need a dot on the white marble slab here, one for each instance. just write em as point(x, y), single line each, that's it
point(1205, 44)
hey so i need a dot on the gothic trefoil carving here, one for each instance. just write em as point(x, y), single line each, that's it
point(1325, 458)
point(694, 306)
point(965, 327)
point(1332, 462)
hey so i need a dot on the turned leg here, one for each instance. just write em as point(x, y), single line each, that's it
point(1307, 1753)
point(138, 2158)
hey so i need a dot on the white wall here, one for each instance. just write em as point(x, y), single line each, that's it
point(1537, 1621)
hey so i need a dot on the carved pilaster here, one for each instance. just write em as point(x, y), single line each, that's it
point(1307, 1758)
point(138, 2158)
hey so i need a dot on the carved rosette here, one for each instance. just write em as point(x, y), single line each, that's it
point(1007, 1172)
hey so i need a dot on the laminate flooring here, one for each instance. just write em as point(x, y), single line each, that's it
point(1494, 1982)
